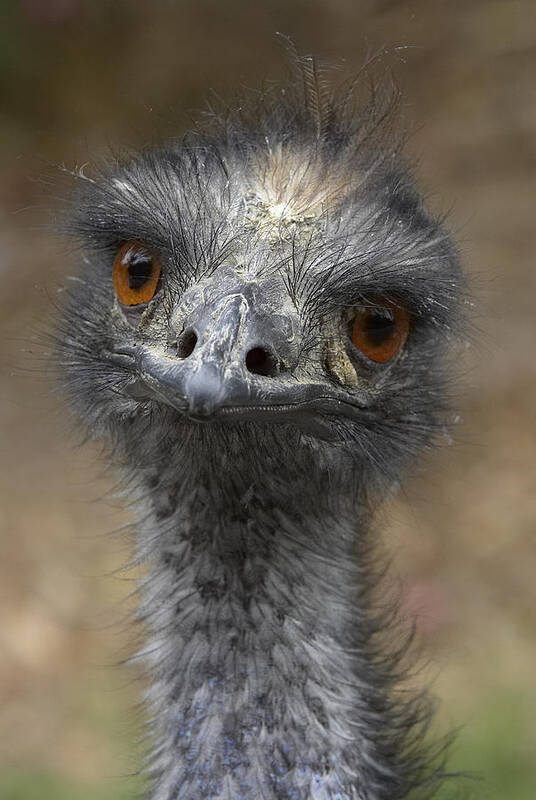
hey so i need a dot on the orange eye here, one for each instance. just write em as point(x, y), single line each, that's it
point(380, 331)
point(135, 274)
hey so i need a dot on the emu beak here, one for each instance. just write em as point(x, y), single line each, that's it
point(235, 358)
point(233, 354)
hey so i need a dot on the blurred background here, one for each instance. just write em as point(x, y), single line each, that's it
point(77, 78)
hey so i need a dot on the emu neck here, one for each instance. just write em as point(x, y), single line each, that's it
point(263, 687)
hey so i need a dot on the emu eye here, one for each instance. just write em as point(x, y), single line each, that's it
point(135, 274)
point(380, 331)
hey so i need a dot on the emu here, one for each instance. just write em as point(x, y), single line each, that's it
point(260, 332)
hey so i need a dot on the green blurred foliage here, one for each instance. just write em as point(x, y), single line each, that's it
point(35, 784)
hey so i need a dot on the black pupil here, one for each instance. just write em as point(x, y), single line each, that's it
point(378, 326)
point(140, 269)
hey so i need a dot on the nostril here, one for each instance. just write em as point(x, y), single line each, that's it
point(260, 362)
point(186, 343)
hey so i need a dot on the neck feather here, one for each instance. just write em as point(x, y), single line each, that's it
point(261, 649)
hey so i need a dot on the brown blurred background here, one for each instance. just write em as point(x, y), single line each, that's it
point(77, 77)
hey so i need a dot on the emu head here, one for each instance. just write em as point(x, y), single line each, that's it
point(277, 268)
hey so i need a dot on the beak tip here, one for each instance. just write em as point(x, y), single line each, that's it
point(204, 393)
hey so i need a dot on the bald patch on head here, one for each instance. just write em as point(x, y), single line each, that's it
point(290, 188)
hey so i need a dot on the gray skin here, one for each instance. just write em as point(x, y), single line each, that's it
point(256, 441)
